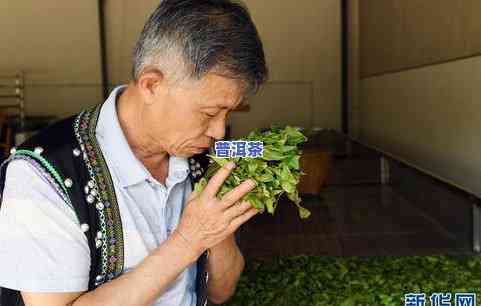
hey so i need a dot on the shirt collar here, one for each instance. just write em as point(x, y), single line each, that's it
point(112, 140)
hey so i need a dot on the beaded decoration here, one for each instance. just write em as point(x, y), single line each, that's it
point(101, 193)
point(47, 171)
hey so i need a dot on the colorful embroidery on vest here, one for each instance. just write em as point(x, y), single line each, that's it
point(47, 171)
point(101, 193)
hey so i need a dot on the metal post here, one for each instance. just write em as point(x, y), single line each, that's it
point(103, 49)
point(344, 67)
point(476, 228)
point(385, 171)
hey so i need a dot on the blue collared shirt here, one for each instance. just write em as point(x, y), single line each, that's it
point(150, 211)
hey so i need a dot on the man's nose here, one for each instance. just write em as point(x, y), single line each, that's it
point(217, 129)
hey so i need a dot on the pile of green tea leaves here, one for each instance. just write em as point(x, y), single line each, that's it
point(275, 174)
point(353, 281)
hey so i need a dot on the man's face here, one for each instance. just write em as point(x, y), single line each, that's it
point(186, 118)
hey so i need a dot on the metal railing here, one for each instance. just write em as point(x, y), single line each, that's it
point(12, 94)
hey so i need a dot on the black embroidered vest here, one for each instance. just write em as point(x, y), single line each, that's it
point(69, 157)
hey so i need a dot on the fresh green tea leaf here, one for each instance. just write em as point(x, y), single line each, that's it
point(276, 173)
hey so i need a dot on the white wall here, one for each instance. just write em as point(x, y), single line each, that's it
point(429, 116)
point(56, 43)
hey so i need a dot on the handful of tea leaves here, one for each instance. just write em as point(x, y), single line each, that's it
point(276, 173)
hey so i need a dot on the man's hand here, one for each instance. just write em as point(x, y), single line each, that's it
point(207, 220)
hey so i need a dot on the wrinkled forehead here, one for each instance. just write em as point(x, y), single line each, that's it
point(219, 91)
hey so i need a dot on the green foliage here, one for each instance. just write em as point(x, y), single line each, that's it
point(276, 173)
point(353, 281)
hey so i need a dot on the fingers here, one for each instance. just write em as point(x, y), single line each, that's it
point(234, 225)
point(237, 193)
point(237, 209)
point(218, 179)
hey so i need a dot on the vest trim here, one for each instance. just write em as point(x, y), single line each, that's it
point(101, 189)
point(47, 171)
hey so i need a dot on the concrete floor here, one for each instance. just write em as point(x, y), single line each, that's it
point(357, 215)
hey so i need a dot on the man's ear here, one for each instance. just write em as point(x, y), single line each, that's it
point(149, 83)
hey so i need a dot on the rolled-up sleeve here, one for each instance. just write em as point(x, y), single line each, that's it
point(42, 248)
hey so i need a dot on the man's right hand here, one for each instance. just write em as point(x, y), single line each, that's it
point(207, 220)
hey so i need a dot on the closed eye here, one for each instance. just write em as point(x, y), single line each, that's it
point(211, 115)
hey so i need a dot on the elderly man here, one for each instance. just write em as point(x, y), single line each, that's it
point(98, 209)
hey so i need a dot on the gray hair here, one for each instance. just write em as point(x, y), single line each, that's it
point(190, 38)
